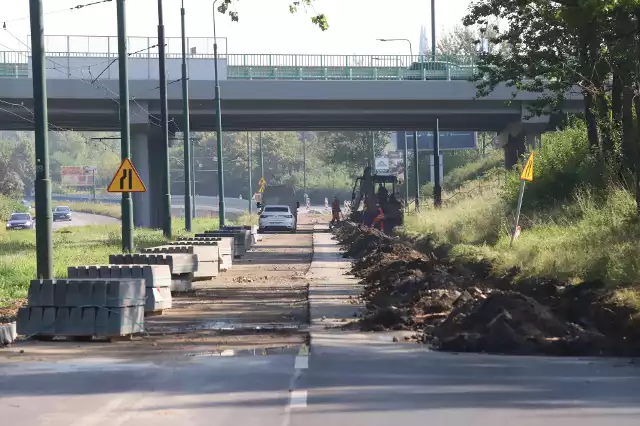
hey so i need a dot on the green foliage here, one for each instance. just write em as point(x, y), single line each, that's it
point(561, 166)
point(227, 7)
point(10, 205)
point(351, 149)
point(458, 176)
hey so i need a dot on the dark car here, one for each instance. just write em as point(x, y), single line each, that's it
point(61, 213)
point(20, 221)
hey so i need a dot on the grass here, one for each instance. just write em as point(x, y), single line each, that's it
point(576, 224)
point(85, 245)
point(105, 209)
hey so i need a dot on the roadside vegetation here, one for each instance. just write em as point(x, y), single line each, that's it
point(578, 221)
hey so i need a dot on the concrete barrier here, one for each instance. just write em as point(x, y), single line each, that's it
point(83, 307)
point(207, 257)
point(255, 236)
point(157, 281)
point(242, 239)
point(181, 265)
point(225, 248)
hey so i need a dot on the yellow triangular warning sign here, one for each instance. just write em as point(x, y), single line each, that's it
point(262, 182)
point(126, 179)
point(527, 172)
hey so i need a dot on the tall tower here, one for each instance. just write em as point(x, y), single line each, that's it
point(423, 49)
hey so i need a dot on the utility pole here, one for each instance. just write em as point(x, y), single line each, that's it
point(193, 182)
point(221, 212)
point(125, 131)
point(188, 214)
point(437, 185)
point(406, 174)
point(164, 117)
point(261, 157)
point(44, 244)
point(249, 167)
point(433, 30)
point(304, 160)
point(416, 172)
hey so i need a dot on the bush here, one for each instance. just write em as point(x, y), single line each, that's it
point(10, 205)
point(561, 166)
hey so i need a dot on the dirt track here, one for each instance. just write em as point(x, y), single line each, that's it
point(262, 302)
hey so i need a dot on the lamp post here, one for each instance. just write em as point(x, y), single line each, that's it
point(249, 167)
point(221, 209)
point(399, 39)
point(164, 118)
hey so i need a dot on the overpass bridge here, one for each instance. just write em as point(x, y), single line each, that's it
point(260, 92)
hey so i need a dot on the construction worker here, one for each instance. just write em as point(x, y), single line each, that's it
point(378, 221)
point(335, 210)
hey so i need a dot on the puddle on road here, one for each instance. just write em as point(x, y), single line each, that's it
point(278, 350)
point(222, 326)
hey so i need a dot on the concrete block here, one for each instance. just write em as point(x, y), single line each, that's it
point(158, 298)
point(26, 322)
point(33, 294)
point(63, 324)
point(119, 321)
point(97, 293)
point(182, 282)
point(206, 270)
point(242, 239)
point(124, 292)
point(8, 333)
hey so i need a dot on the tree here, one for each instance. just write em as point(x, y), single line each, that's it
point(351, 149)
point(556, 45)
point(319, 19)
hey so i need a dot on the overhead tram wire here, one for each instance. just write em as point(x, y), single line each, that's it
point(53, 12)
point(95, 84)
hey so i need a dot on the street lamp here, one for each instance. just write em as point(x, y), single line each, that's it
point(399, 39)
point(221, 212)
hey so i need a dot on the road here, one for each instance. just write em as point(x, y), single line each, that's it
point(85, 219)
point(347, 378)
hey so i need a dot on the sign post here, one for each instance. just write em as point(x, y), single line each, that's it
point(526, 176)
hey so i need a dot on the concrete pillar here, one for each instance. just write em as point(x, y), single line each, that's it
point(155, 175)
point(514, 148)
point(140, 159)
point(533, 141)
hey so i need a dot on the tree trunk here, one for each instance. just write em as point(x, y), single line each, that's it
point(592, 122)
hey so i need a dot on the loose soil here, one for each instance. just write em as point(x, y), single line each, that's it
point(462, 307)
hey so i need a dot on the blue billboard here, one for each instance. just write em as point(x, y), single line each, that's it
point(449, 141)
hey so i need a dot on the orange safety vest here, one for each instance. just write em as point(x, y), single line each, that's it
point(379, 219)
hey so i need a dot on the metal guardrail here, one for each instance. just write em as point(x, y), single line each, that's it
point(15, 64)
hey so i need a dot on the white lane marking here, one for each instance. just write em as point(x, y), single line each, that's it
point(302, 363)
point(298, 399)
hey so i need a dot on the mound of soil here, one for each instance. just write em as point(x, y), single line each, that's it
point(463, 308)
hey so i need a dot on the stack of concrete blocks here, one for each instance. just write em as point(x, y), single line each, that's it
point(207, 257)
point(8, 333)
point(225, 248)
point(157, 280)
point(182, 266)
point(255, 236)
point(242, 239)
point(84, 308)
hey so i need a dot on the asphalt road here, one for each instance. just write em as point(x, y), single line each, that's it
point(84, 219)
point(347, 379)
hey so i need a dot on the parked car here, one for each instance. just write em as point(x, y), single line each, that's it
point(20, 221)
point(277, 217)
point(62, 213)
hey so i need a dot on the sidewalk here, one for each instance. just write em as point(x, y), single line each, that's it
point(332, 292)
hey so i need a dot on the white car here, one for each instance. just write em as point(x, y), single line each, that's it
point(277, 217)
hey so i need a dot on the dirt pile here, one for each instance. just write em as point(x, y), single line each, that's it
point(460, 307)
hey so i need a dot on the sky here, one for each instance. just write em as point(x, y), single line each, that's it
point(265, 26)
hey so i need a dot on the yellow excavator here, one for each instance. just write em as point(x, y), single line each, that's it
point(372, 190)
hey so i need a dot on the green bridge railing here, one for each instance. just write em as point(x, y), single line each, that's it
point(287, 66)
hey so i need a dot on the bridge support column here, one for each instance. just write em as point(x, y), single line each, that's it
point(140, 159)
point(513, 149)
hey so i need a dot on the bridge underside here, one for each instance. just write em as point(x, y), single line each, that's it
point(253, 115)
